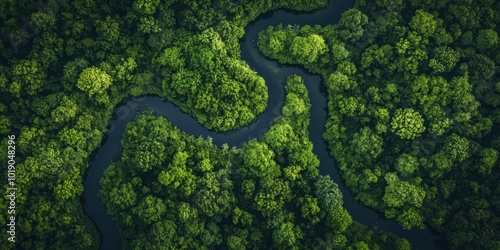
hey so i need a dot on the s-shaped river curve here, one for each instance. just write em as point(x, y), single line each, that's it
point(274, 75)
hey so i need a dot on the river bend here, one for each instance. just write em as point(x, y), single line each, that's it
point(274, 75)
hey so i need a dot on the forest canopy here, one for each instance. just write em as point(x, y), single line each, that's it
point(413, 110)
point(64, 66)
point(267, 194)
point(413, 123)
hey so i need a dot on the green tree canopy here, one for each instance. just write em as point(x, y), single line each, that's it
point(150, 209)
point(367, 143)
point(286, 236)
point(406, 164)
point(352, 25)
point(94, 81)
point(28, 76)
point(399, 193)
point(146, 6)
point(423, 22)
point(407, 123)
point(307, 49)
point(259, 159)
point(486, 39)
point(329, 195)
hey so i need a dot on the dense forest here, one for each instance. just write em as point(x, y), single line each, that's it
point(413, 93)
point(172, 189)
point(66, 64)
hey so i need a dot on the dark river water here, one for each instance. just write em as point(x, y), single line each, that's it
point(274, 75)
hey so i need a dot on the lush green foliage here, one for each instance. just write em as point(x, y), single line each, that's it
point(64, 65)
point(413, 109)
point(183, 192)
point(413, 103)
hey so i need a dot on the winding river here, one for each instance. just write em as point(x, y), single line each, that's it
point(274, 75)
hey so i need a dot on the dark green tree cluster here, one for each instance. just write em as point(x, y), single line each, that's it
point(171, 189)
point(413, 109)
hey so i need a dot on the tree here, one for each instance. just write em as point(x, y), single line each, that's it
point(184, 82)
point(486, 38)
point(280, 137)
point(42, 21)
point(411, 217)
point(294, 105)
point(481, 66)
point(242, 217)
point(442, 162)
point(351, 106)
point(164, 232)
point(444, 59)
point(310, 209)
point(403, 244)
point(4, 124)
point(406, 164)
point(123, 69)
point(366, 144)
point(407, 123)
point(172, 57)
point(236, 243)
point(148, 25)
point(259, 159)
point(424, 23)
point(375, 53)
point(338, 219)
point(123, 196)
point(72, 70)
point(347, 68)
point(93, 81)
point(277, 41)
point(147, 7)
point(307, 49)
point(150, 209)
point(399, 193)
point(69, 187)
point(361, 245)
point(145, 144)
point(328, 193)
point(28, 76)
point(72, 137)
point(457, 147)
point(215, 196)
point(340, 53)
point(287, 236)
point(64, 112)
point(177, 177)
point(489, 157)
point(351, 25)
point(337, 81)
point(272, 195)
point(108, 30)
point(202, 57)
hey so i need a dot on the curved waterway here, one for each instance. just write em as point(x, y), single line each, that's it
point(274, 75)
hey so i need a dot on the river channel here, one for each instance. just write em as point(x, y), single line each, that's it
point(274, 74)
